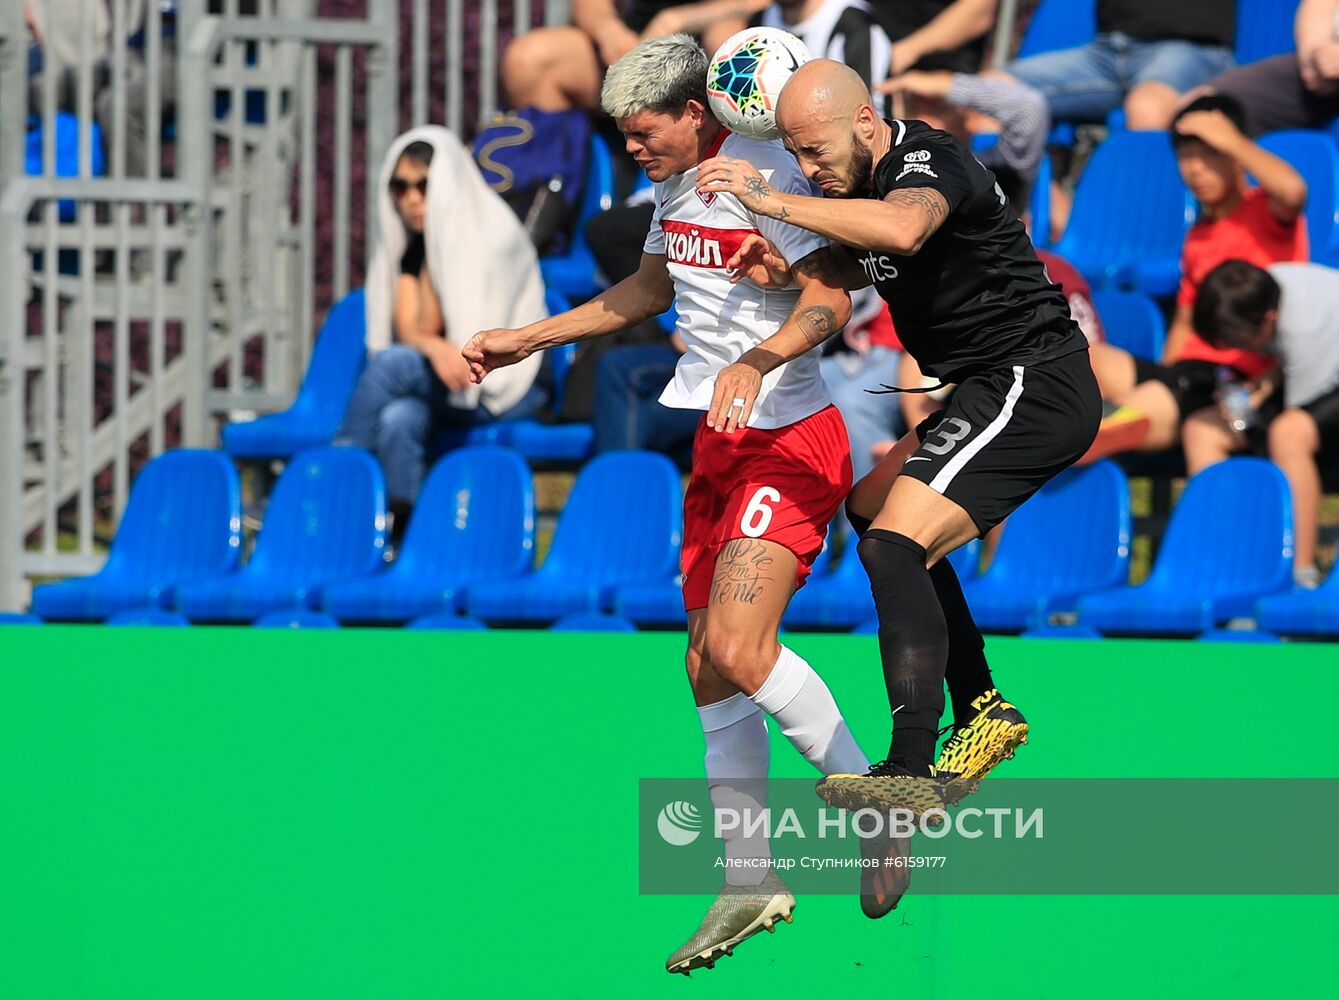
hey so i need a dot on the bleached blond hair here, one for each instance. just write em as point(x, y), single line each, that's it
point(660, 75)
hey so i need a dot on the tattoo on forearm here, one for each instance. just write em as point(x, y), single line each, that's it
point(927, 199)
point(817, 323)
point(742, 570)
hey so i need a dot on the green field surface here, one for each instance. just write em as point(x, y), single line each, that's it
point(247, 814)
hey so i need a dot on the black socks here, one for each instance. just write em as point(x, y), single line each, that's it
point(913, 643)
point(967, 672)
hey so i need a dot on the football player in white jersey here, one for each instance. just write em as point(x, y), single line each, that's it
point(771, 463)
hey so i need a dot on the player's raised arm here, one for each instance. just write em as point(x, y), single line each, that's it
point(821, 310)
point(900, 224)
point(646, 293)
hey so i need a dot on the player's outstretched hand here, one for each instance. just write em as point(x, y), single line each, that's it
point(759, 261)
point(494, 349)
point(737, 388)
point(725, 174)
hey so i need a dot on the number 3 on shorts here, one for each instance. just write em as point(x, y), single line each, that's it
point(757, 515)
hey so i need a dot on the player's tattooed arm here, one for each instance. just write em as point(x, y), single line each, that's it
point(920, 213)
point(758, 198)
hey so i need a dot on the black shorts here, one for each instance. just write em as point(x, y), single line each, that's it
point(1324, 410)
point(1191, 383)
point(1005, 433)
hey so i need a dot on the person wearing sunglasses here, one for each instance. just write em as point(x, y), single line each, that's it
point(449, 255)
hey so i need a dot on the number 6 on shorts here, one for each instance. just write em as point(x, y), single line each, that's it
point(757, 515)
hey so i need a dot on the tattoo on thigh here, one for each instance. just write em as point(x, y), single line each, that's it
point(742, 569)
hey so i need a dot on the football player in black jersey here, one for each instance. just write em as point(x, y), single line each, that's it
point(925, 224)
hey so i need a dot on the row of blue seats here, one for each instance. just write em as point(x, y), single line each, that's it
point(151, 617)
point(1132, 321)
point(1227, 553)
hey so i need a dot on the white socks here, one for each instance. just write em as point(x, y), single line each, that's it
point(737, 756)
point(803, 707)
point(737, 751)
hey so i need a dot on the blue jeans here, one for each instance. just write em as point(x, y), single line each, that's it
point(1087, 83)
point(628, 413)
point(397, 407)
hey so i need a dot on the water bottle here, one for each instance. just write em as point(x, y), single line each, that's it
point(1235, 399)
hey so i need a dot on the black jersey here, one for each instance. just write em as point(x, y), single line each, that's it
point(975, 296)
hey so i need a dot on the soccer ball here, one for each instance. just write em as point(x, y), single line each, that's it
point(746, 75)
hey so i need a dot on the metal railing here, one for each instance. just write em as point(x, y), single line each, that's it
point(146, 296)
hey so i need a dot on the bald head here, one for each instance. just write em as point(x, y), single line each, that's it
point(820, 91)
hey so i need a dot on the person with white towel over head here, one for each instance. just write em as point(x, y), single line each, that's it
point(450, 258)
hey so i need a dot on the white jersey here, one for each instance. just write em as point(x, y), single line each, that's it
point(719, 321)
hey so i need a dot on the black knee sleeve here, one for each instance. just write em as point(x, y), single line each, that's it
point(913, 640)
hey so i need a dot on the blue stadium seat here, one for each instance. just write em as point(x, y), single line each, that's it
point(621, 524)
point(1062, 632)
point(587, 622)
point(1130, 216)
point(1238, 635)
point(657, 603)
point(447, 623)
point(868, 627)
point(1132, 321)
point(1264, 29)
point(1059, 24)
point(1303, 612)
point(560, 443)
point(148, 616)
point(18, 618)
point(474, 520)
point(560, 359)
point(182, 522)
point(326, 521)
point(661, 602)
point(1316, 158)
point(572, 273)
point(337, 359)
point(1072, 538)
point(67, 153)
point(1229, 542)
point(842, 599)
point(295, 618)
point(1039, 205)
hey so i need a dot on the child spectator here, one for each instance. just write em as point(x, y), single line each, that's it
point(1259, 224)
point(1292, 312)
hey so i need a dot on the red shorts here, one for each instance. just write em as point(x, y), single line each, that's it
point(783, 485)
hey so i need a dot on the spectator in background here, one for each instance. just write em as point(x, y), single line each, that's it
point(450, 258)
point(934, 35)
point(56, 27)
point(1292, 312)
point(1295, 90)
point(560, 68)
point(844, 30)
point(1146, 54)
point(1261, 225)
